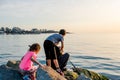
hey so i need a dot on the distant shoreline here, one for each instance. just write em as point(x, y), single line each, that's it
point(17, 30)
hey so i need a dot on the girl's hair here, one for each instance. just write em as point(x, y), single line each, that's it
point(62, 32)
point(34, 47)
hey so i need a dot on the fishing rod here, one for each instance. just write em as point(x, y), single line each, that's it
point(76, 69)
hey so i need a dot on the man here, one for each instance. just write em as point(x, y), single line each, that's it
point(54, 54)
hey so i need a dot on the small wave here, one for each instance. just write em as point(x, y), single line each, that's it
point(111, 76)
point(109, 66)
point(42, 61)
point(105, 64)
point(92, 67)
point(91, 57)
point(5, 54)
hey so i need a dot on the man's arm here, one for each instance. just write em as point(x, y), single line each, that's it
point(62, 46)
point(57, 67)
point(48, 62)
point(56, 63)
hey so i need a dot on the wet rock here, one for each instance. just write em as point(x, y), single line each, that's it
point(7, 73)
point(89, 75)
point(70, 75)
point(82, 77)
point(13, 64)
point(48, 74)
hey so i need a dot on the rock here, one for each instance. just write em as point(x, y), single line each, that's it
point(70, 75)
point(90, 74)
point(7, 73)
point(82, 77)
point(11, 72)
point(14, 64)
point(48, 74)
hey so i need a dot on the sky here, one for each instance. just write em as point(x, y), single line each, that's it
point(72, 15)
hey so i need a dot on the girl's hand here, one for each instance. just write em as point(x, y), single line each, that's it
point(42, 66)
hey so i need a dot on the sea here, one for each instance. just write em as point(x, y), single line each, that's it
point(99, 52)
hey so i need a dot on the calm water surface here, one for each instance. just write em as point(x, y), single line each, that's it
point(96, 52)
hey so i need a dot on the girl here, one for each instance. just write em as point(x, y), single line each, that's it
point(26, 65)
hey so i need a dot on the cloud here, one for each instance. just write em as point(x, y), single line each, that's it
point(15, 8)
point(36, 7)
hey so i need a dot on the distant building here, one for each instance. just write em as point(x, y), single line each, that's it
point(1, 32)
point(16, 30)
point(35, 31)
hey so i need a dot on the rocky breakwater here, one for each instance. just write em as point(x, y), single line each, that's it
point(10, 71)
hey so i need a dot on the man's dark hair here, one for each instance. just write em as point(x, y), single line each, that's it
point(34, 47)
point(62, 32)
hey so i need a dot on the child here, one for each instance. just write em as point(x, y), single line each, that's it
point(26, 64)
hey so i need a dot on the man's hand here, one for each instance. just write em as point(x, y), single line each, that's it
point(61, 51)
point(59, 71)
